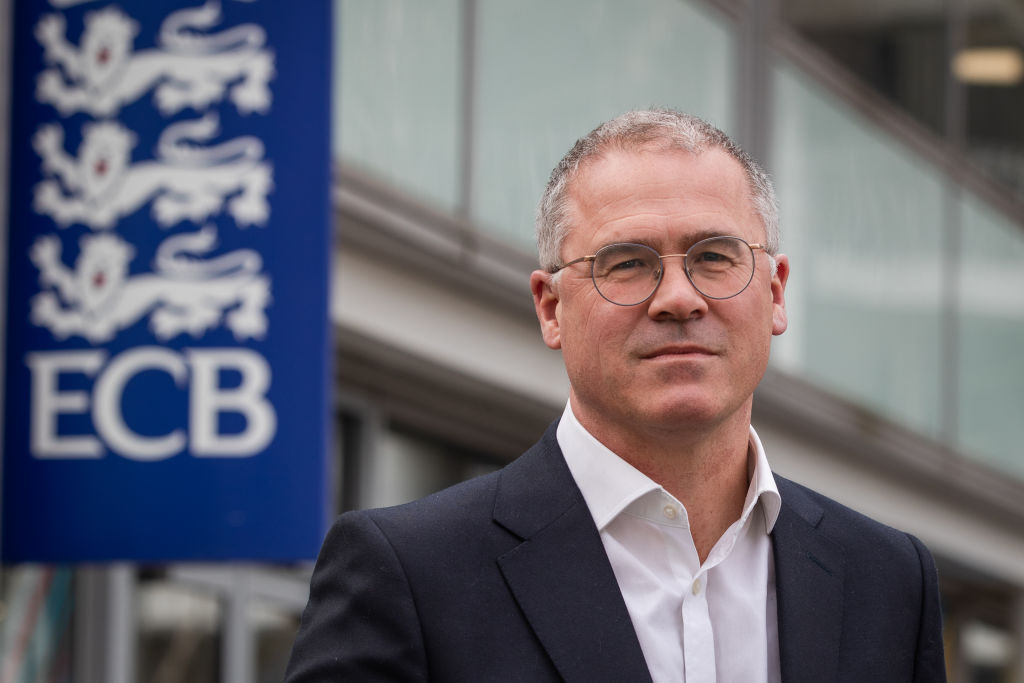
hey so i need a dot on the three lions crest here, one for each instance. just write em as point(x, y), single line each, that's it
point(184, 294)
point(189, 176)
point(185, 181)
point(186, 69)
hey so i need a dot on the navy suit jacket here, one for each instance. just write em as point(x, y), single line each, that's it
point(505, 578)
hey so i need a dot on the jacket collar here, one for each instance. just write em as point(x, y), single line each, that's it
point(560, 574)
point(809, 574)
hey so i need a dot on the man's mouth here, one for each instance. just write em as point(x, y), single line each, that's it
point(676, 350)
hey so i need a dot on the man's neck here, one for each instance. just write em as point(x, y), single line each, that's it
point(705, 469)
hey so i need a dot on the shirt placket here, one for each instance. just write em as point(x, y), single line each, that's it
point(698, 639)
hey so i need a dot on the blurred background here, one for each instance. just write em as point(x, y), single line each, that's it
point(894, 130)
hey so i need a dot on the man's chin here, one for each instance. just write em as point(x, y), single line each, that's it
point(673, 412)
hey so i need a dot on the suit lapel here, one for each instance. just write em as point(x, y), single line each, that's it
point(560, 574)
point(809, 589)
point(562, 580)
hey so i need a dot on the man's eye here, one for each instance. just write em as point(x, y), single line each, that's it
point(712, 257)
point(628, 264)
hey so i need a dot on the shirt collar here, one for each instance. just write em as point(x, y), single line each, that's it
point(609, 484)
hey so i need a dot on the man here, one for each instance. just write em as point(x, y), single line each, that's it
point(644, 537)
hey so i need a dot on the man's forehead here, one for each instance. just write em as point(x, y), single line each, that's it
point(615, 156)
point(621, 167)
point(612, 175)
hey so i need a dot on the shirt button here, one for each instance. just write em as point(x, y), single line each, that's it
point(697, 585)
point(669, 511)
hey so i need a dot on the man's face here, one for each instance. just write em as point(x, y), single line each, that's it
point(678, 361)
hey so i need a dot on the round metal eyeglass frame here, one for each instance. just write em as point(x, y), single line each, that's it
point(687, 269)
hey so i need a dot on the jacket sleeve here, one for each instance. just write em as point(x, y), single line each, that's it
point(360, 623)
point(930, 664)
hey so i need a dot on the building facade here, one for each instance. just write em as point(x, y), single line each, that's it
point(893, 132)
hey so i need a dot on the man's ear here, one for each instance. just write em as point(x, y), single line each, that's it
point(546, 302)
point(779, 319)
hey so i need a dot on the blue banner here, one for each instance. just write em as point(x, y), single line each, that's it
point(167, 335)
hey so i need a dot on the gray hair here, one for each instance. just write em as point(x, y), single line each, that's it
point(659, 129)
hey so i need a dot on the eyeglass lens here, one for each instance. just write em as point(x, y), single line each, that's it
point(628, 274)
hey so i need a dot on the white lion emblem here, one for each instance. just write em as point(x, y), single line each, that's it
point(188, 69)
point(185, 294)
point(186, 181)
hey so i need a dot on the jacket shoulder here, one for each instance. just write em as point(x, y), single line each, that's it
point(862, 537)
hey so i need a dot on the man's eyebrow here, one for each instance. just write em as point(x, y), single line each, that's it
point(707, 233)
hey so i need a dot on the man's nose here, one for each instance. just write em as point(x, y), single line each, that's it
point(676, 297)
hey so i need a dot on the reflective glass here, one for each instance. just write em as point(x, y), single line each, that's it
point(547, 72)
point(720, 267)
point(396, 94)
point(274, 629)
point(407, 464)
point(626, 274)
point(991, 336)
point(862, 219)
point(178, 631)
point(990, 67)
point(36, 605)
point(896, 48)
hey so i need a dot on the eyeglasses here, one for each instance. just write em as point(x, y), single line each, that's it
point(628, 274)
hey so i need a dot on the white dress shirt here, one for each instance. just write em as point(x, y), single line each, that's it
point(698, 623)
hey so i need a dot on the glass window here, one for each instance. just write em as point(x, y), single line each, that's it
point(179, 631)
point(991, 327)
point(407, 464)
point(350, 436)
point(901, 50)
point(986, 651)
point(547, 72)
point(274, 632)
point(991, 68)
point(36, 623)
point(979, 614)
point(396, 93)
point(896, 48)
point(862, 220)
